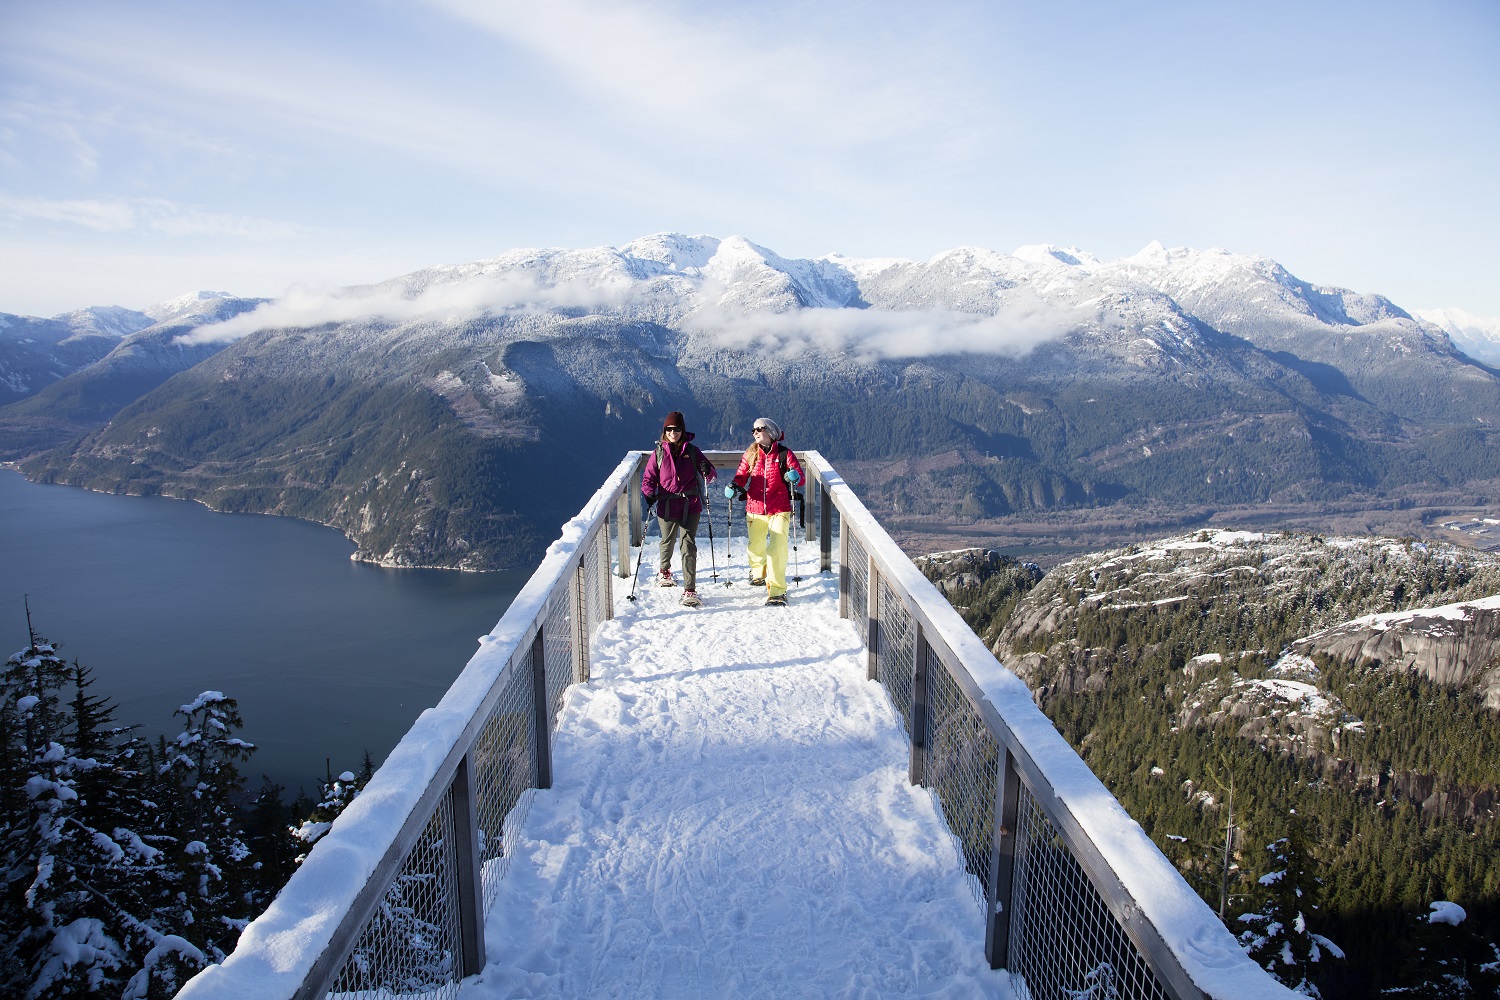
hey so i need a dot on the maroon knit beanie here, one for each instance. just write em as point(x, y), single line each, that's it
point(674, 419)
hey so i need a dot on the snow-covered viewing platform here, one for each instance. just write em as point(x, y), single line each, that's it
point(731, 817)
point(624, 797)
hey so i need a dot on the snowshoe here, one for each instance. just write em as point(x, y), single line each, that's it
point(690, 599)
point(776, 600)
point(664, 579)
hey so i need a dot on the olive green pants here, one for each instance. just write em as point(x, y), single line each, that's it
point(687, 529)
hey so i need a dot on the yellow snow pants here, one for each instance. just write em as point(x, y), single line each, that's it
point(768, 540)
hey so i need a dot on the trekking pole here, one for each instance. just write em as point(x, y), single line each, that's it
point(798, 522)
point(728, 540)
point(708, 507)
point(636, 579)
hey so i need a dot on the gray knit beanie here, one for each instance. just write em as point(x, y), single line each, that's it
point(771, 426)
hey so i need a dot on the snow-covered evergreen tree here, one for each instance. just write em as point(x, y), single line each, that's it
point(271, 841)
point(216, 898)
point(75, 873)
point(123, 870)
point(1446, 960)
point(336, 795)
point(1278, 934)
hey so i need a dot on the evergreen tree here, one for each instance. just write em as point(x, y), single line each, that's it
point(74, 870)
point(201, 770)
point(269, 834)
point(336, 795)
point(1445, 960)
point(1278, 935)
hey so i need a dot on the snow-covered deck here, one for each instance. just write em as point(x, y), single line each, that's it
point(731, 817)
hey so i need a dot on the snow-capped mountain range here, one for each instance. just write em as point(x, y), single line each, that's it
point(1476, 336)
point(1055, 379)
point(709, 283)
point(964, 300)
point(36, 352)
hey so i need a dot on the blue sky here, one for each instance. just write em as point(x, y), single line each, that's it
point(155, 147)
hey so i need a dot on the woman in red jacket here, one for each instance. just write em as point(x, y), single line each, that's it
point(767, 473)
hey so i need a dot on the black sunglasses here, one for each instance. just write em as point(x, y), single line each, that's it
point(672, 430)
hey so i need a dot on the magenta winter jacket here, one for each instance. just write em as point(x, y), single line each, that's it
point(765, 491)
point(675, 480)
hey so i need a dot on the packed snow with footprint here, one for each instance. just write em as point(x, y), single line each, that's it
point(730, 817)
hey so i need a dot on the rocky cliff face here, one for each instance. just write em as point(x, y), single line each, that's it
point(1227, 626)
point(1457, 645)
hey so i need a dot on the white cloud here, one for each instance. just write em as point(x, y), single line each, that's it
point(148, 215)
point(865, 334)
point(307, 308)
point(873, 334)
point(103, 216)
point(729, 72)
point(292, 97)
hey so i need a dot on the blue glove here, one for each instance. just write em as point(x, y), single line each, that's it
point(793, 476)
point(729, 491)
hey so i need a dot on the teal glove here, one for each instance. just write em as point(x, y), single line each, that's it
point(793, 476)
point(729, 492)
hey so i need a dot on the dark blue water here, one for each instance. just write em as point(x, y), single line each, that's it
point(166, 599)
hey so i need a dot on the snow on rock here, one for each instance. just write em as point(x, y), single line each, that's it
point(1444, 912)
point(1455, 644)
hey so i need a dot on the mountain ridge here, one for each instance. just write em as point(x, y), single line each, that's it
point(1060, 382)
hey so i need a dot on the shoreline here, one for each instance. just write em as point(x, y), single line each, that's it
point(355, 556)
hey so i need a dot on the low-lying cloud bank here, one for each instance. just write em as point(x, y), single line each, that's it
point(875, 334)
point(867, 334)
point(450, 302)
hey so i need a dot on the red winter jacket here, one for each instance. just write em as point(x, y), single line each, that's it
point(759, 475)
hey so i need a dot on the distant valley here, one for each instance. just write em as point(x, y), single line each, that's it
point(1044, 399)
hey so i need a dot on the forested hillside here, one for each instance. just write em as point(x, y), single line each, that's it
point(1193, 676)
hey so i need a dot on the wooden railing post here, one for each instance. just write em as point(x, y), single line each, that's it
point(825, 527)
point(540, 710)
point(604, 583)
point(622, 535)
point(637, 524)
point(844, 577)
point(1002, 864)
point(581, 623)
point(918, 769)
point(872, 618)
point(466, 849)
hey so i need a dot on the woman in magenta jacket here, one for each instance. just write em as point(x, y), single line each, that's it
point(768, 471)
point(670, 483)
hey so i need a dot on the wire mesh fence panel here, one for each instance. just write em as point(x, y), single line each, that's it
point(835, 529)
point(859, 573)
point(894, 652)
point(502, 767)
point(557, 638)
point(962, 768)
point(1064, 942)
point(593, 602)
point(410, 945)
